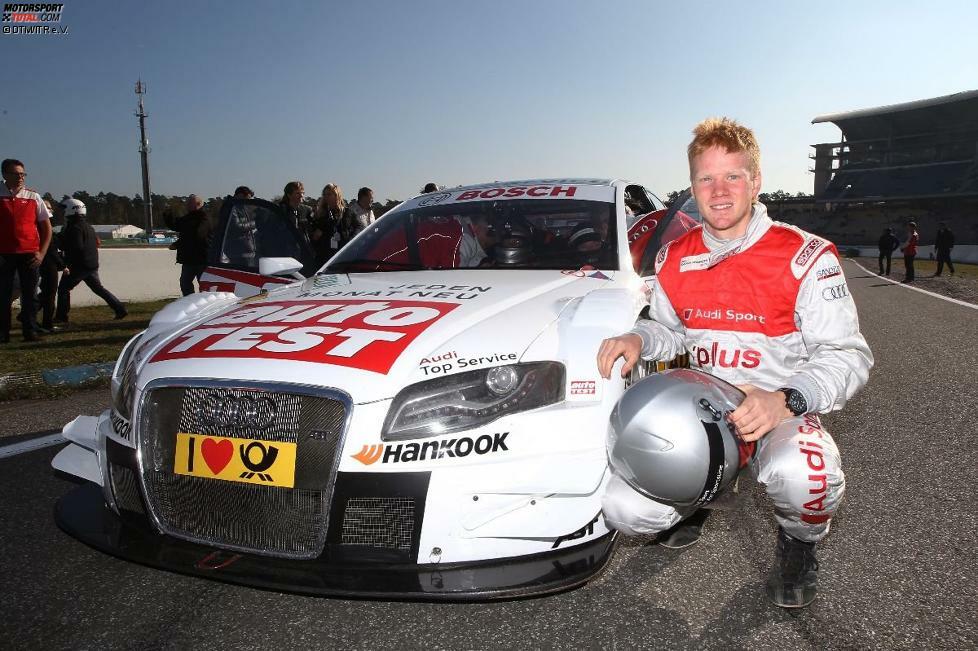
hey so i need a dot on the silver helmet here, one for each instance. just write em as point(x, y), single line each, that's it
point(669, 438)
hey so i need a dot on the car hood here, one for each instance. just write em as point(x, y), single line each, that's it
point(368, 335)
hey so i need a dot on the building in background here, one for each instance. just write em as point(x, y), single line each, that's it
point(912, 161)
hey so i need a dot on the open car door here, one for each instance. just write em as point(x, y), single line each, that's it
point(247, 231)
point(650, 232)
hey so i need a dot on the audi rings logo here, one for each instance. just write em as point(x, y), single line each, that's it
point(242, 412)
point(835, 292)
point(434, 199)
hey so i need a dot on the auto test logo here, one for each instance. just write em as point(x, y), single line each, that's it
point(368, 335)
point(26, 18)
point(432, 450)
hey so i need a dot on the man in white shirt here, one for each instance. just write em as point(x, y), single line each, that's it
point(362, 211)
point(25, 234)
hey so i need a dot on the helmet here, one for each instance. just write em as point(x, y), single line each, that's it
point(669, 438)
point(515, 245)
point(73, 207)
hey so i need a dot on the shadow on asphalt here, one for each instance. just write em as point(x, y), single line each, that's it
point(883, 285)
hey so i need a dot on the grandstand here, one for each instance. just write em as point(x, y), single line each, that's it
point(917, 150)
point(912, 161)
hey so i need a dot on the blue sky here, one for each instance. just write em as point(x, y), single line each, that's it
point(392, 95)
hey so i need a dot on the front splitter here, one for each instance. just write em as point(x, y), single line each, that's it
point(82, 513)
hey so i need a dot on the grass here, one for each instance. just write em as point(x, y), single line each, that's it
point(92, 338)
point(924, 267)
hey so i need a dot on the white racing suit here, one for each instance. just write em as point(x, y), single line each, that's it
point(771, 309)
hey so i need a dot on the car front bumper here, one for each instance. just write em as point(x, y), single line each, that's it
point(82, 513)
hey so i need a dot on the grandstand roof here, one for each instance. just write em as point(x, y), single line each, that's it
point(919, 116)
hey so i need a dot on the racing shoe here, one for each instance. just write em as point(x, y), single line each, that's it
point(793, 580)
point(687, 532)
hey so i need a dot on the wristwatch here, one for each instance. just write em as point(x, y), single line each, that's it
point(794, 401)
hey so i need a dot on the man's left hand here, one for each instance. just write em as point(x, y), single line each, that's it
point(759, 413)
point(36, 260)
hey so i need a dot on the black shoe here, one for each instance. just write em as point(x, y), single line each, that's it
point(793, 581)
point(684, 534)
point(120, 315)
point(30, 335)
point(42, 330)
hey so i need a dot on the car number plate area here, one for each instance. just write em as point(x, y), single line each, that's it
point(268, 463)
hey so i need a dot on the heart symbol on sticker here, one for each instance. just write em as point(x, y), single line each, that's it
point(217, 454)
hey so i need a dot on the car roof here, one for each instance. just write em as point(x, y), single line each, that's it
point(542, 181)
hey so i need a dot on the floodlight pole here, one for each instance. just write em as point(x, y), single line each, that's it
point(144, 157)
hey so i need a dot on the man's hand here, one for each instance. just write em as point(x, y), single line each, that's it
point(759, 413)
point(36, 260)
point(628, 346)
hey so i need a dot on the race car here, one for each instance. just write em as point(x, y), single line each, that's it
point(420, 418)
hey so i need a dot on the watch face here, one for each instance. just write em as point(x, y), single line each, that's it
point(796, 402)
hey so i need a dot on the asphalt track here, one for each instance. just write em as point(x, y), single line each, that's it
point(899, 570)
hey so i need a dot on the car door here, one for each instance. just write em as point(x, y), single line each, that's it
point(248, 230)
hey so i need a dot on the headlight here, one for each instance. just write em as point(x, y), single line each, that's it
point(124, 380)
point(469, 400)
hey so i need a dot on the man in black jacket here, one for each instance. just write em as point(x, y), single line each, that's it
point(195, 237)
point(943, 246)
point(888, 244)
point(80, 247)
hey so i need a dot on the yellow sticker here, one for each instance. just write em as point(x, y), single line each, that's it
point(268, 463)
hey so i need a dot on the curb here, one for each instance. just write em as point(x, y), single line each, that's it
point(58, 377)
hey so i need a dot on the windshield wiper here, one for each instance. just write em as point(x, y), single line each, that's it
point(343, 265)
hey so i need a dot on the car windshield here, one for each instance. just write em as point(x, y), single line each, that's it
point(513, 234)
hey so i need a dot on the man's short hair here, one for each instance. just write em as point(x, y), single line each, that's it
point(363, 192)
point(9, 164)
point(243, 190)
point(429, 187)
point(726, 134)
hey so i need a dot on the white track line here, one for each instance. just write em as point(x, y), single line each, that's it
point(916, 289)
point(31, 445)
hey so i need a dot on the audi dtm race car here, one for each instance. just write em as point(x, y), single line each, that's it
point(421, 418)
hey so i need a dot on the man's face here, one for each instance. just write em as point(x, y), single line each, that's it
point(14, 178)
point(724, 190)
point(194, 202)
point(367, 200)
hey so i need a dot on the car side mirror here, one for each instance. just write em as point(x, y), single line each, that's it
point(280, 267)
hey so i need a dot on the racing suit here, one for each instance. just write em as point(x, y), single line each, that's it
point(771, 309)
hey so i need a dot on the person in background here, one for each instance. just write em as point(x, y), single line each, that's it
point(429, 188)
point(329, 219)
point(194, 239)
point(888, 244)
point(910, 251)
point(299, 213)
point(51, 266)
point(943, 245)
point(80, 245)
point(25, 235)
point(361, 212)
point(243, 192)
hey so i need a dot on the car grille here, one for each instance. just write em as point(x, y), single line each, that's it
point(379, 522)
point(125, 488)
point(287, 522)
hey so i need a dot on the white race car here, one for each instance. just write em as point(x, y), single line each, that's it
point(423, 417)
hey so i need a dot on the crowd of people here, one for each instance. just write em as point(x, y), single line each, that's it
point(889, 242)
point(32, 257)
point(326, 227)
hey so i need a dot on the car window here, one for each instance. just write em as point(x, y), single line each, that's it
point(512, 234)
